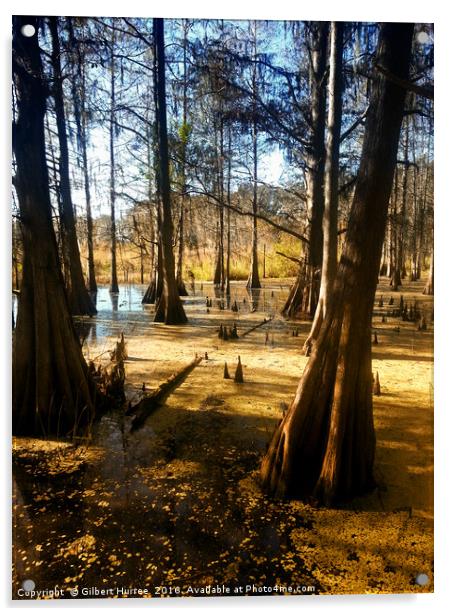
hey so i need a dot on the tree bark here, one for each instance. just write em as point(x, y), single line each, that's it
point(180, 257)
point(324, 446)
point(169, 308)
point(423, 210)
point(114, 288)
point(429, 287)
point(329, 263)
point(219, 277)
point(181, 288)
point(80, 301)
point(155, 287)
point(253, 281)
point(396, 278)
point(52, 390)
point(415, 214)
point(79, 96)
point(304, 295)
point(228, 217)
point(400, 271)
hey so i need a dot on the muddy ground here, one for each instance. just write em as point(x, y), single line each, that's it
point(175, 507)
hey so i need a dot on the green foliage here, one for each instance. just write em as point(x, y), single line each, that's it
point(184, 132)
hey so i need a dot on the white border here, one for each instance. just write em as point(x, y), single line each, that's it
point(346, 10)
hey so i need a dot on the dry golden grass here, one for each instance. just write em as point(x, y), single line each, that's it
point(201, 263)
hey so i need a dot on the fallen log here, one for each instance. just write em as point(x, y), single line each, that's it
point(264, 322)
point(148, 404)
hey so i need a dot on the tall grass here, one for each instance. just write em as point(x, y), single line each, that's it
point(201, 263)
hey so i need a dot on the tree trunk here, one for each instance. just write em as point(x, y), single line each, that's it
point(92, 283)
point(324, 446)
point(429, 287)
point(182, 290)
point(218, 278)
point(79, 100)
point(228, 217)
point(400, 271)
point(152, 239)
point(253, 278)
point(79, 300)
point(396, 279)
point(48, 138)
point(422, 212)
point(329, 264)
point(169, 308)
point(420, 252)
point(387, 271)
point(155, 285)
point(415, 230)
point(403, 209)
point(52, 391)
point(155, 288)
point(304, 295)
point(218, 275)
point(114, 268)
point(16, 241)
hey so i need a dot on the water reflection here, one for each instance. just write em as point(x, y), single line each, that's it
point(84, 329)
point(125, 305)
point(254, 296)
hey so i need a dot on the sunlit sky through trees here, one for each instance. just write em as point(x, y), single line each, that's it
point(281, 60)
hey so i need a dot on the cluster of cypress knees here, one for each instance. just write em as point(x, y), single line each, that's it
point(228, 334)
point(110, 380)
point(113, 380)
point(407, 312)
point(221, 306)
point(238, 376)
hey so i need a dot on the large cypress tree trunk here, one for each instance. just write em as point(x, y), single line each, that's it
point(304, 294)
point(80, 301)
point(329, 264)
point(169, 308)
point(324, 447)
point(52, 391)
